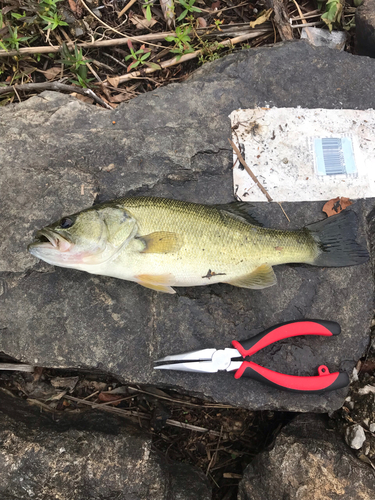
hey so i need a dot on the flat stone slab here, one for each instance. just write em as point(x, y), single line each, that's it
point(58, 153)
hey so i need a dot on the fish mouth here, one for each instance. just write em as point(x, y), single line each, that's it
point(47, 239)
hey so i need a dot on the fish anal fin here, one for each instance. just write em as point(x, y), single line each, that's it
point(160, 283)
point(262, 277)
point(161, 242)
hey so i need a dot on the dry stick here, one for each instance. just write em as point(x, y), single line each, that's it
point(113, 29)
point(127, 7)
point(248, 170)
point(113, 42)
point(132, 413)
point(88, 45)
point(53, 86)
point(308, 33)
point(186, 57)
point(213, 458)
point(16, 367)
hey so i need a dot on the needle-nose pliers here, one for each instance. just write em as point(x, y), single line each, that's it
point(234, 359)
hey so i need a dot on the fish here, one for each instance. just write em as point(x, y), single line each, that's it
point(163, 243)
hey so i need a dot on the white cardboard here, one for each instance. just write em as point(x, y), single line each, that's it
point(280, 147)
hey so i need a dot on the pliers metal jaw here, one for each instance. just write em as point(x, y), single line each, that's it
point(234, 359)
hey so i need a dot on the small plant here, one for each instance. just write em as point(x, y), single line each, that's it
point(13, 40)
point(147, 5)
point(139, 57)
point(182, 41)
point(188, 7)
point(333, 13)
point(76, 62)
point(210, 52)
point(53, 22)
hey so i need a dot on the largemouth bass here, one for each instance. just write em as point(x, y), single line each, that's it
point(160, 243)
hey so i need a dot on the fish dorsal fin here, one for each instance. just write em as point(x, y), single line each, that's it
point(262, 277)
point(161, 242)
point(160, 282)
point(241, 210)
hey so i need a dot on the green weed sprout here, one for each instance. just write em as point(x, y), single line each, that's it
point(189, 7)
point(182, 42)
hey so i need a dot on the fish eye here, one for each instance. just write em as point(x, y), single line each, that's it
point(66, 222)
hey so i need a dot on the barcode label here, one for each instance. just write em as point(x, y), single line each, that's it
point(334, 156)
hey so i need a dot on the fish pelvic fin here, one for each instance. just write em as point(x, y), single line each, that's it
point(161, 242)
point(335, 237)
point(262, 277)
point(159, 283)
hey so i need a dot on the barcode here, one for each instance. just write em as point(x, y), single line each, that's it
point(333, 156)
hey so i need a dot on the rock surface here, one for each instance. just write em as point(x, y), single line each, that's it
point(308, 462)
point(365, 28)
point(42, 462)
point(58, 153)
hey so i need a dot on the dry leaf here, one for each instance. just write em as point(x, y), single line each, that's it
point(51, 73)
point(261, 19)
point(114, 81)
point(106, 397)
point(72, 5)
point(202, 22)
point(83, 98)
point(119, 98)
point(142, 22)
point(215, 5)
point(335, 206)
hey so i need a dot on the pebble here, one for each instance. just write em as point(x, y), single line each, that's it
point(355, 436)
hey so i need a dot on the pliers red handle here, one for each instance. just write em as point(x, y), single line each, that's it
point(214, 360)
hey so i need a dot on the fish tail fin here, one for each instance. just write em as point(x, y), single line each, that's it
point(335, 237)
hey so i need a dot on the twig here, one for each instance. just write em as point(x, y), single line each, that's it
point(39, 87)
point(182, 425)
point(127, 7)
point(88, 45)
point(248, 170)
point(280, 205)
point(113, 29)
point(16, 367)
point(178, 401)
point(186, 57)
point(308, 33)
point(307, 25)
point(213, 458)
point(132, 413)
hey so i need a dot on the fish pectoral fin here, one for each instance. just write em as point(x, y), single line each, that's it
point(160, 282)
point(161, 242)
point(262, 277)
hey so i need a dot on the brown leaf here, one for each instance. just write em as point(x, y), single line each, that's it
point(83, 98)
point(72, 5)
point(336, 205)
point(51, 73)
point(120, 98)
point(106, 397)
point(215, 5)
point(202, 22)
point(141, 22)
point(113, 80)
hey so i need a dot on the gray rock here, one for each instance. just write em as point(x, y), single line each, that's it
point(308, 462)
point(365, 28)
point(173, 142)
point(42, 462)
point(355, 436)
